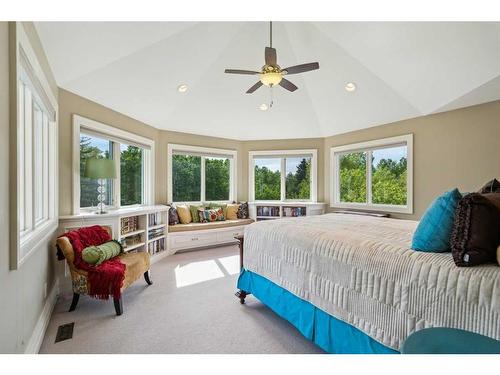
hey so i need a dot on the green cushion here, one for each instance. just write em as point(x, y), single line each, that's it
point(95, 255)
point(194, 213)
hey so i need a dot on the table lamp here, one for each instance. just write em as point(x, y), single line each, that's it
point(100, 169)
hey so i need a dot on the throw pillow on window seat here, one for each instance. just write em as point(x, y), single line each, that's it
point(434, 229)
point(243, 211)
point(214, 205)
point(209, 216)
point(476, 230)
point(173, 217)
point(184, 214)
point(193, 209)
point(232, 211)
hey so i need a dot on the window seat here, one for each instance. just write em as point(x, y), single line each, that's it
point(203, 226)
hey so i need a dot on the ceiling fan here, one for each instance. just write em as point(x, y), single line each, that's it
point(271, 74)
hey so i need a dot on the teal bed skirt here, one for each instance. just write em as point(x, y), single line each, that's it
point(330, 334)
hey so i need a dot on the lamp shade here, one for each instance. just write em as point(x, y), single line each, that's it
point(100, 168)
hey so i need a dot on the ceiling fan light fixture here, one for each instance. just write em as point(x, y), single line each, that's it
point(263, 107)
point(182, 88)
point(271, 78)
point(350, 87)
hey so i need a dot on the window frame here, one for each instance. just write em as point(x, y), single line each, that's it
point(117, 136)
point(203, 152)
point(369, 147)
point(26, 73)
point(282, 154)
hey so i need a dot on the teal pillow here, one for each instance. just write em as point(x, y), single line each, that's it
point(95, 255)
point(434, 230)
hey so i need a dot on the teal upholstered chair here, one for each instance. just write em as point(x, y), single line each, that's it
point(449, 341)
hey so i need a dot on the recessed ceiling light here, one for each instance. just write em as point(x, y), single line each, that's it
point(263, 107)
point(182, 88)
point(350, 86)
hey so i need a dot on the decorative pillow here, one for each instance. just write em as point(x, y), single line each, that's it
point(476, 235)
point(184, 214)
point(194, 212)
point(232, 211)
point(434, 230)
point(213, 205)
point(95, 255)
point(208, 216)
point(492, 186)
point(243, 211)
point(173, 217)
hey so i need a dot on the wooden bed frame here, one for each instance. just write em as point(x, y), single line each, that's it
point(241, 294)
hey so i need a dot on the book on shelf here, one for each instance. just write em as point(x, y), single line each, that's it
point(156, 246)
point(268, 211)
point(153, 233)
point(154, 219)
point(294, 211)
point(129, 224)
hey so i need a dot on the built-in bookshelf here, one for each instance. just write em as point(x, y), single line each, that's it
point(276, 210)
point(137, 229)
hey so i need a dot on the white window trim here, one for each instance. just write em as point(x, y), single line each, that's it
point(23, 245)
point(283, 154)
point(335, 152)
point(233, 162)
point(80, 124)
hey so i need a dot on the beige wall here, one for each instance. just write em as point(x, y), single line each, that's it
point(459, 148)
point(21, 291)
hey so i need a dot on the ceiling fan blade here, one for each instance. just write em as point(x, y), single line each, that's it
point(254, 87)
point(270, 55)
point(286, 84)
point(239, 71)
point(302, 68)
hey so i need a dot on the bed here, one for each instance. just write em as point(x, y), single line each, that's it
point(352, 284)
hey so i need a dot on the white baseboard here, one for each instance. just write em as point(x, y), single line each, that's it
point(36, 338)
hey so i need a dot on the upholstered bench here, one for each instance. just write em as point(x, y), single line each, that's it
point(137, 264)
point(197, 235)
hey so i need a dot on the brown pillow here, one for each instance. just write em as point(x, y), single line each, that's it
point(492, 186)
point(476, 229)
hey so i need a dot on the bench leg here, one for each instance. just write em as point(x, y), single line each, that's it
point(241, 294)
point(118, 305)
point(74, 302)
point(147, 277)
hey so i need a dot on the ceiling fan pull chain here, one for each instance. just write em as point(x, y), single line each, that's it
point(271, 34)
point(272, 98)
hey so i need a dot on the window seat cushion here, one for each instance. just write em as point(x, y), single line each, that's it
point(211, 225)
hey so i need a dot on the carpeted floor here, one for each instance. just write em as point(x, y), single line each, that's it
point(190, 308)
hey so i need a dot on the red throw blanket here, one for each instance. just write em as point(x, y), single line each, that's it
point(105, 279)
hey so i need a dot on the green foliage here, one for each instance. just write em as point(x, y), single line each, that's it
point(267, 184)
point(298, 184)
point(217, 179)
point(388, 180)
point(131, 176)
point(88, 187)
point(186, 178)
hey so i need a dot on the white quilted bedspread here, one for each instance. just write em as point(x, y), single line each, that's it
point(361, 270)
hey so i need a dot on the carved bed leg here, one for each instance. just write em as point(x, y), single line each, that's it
point(147, 277)
point(241, 294)
point(74, 302)
point(118, 305)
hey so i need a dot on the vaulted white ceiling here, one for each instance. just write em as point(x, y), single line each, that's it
point(401, 70)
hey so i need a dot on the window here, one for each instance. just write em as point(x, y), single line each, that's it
point(133, 160)
point(34, 141)
point(198, 174)
point(283, 175)
point(374, 175)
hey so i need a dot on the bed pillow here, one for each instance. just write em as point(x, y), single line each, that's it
point(184, 214)
point(209, 216)
point(193, 209)
point(476, 230)
point(434, 230)
point(243, 211)
point(232, 211)
point(492, 186)
point(95, 255)
point(173, 217)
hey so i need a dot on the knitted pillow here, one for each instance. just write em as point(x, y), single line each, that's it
point(476, 235)
point(208, 216)
point(95, 255)
point(243, 211)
